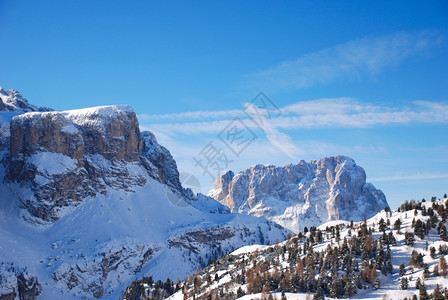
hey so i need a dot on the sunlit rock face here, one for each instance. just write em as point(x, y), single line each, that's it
point(302, 194)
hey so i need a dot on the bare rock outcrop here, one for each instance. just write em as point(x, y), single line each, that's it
point(2, 105)
point(164, 165)
point(304, 194)
point(64, 157)
point(16, 283)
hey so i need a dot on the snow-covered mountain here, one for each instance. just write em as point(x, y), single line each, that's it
point(89, 203)
point(301, 195)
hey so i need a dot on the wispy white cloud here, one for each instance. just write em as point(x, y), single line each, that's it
point(327, 106)
point(320, 113)
point(352, 59)
point(410, 177)
point(191, 115)
point(281, 140)
point(348, 114)
point(316, 114)
point(191, 128)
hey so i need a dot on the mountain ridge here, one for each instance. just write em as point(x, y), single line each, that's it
point(302, 194)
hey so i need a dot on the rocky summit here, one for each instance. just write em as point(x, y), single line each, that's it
point(64, 157)
point(302, 194)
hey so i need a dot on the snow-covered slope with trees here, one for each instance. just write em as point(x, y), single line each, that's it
point(300, 195)
point(400, 254)
point(89, 203)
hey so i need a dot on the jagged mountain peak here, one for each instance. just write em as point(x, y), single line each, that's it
point(13, 101)
point(302, 194)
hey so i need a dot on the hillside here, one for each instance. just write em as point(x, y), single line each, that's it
point(384, 257)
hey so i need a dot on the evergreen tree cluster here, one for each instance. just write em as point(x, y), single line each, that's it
point(339, 270)
point(147, 289)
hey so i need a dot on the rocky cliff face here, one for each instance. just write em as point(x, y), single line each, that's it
point(64, 157)
point(16, 283)
point(304, 194)
point(163, 164)
point(12, 103)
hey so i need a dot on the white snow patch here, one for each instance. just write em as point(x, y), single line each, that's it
point(51, 163)
point(103, 111)
point(249, 249)
point(70, 129)
point(332, 223)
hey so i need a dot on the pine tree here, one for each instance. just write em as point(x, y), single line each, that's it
point(432, 252)
point(397, 225)
point(416, 259)
point(285, 284)
point(318, 295)
point(419, 229)
point(443, 233)
point(404, 283)
point(382, 225)
point(334, 287)
point(266, 293)
point(376, 283)
point(409, 239)
point(240, 293)
point(425, 271)
point(423, 294)
point(443, 267)
point(388, 261)
point(338, 234)
point(350, 288)
point(418, 283)
point(437, 295)
point(402, 269)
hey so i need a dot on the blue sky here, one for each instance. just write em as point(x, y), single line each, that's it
point(366, 79)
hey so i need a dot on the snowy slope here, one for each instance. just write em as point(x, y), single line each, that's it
point(276, 263)
point(127, 225)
